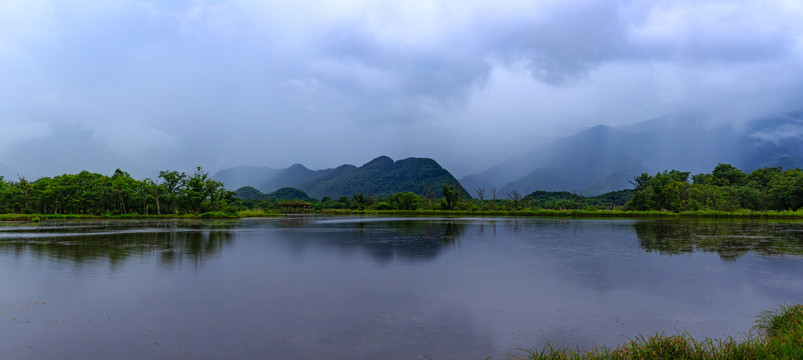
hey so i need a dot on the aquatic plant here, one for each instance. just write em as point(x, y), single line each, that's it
point(778, 334)
point(784, 319)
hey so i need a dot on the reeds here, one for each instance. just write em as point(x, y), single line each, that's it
point(778, 334)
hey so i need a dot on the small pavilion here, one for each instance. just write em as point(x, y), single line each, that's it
point(294, 206)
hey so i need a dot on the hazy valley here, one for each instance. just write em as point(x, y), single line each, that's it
point(594, 161)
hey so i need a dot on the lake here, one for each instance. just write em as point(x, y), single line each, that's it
point(393, 288)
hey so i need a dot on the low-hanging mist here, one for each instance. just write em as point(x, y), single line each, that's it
point(148, 85)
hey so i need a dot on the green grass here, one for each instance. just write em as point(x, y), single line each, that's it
point(778, 334)
point(218, 215)
point(580, 213)
point(257, 213)
point(44, 217)
point(606, 214)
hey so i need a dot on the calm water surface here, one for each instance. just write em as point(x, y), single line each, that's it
point(367, 288)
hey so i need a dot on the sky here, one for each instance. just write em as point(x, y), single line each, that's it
point(147, 85)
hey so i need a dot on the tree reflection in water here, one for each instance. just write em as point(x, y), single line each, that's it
point(730, 239)
point(117, 241)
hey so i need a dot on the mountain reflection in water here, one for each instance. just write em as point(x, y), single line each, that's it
point(382, 239)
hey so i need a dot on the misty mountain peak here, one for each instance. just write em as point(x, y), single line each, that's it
point(345, 167)
point(672, 121)
point(380, 162)
point(297, 167)
point(596, 131)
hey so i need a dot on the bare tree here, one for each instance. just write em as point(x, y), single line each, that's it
point(493, 192)
point(516, 197)
point(24, 187)
point(641, 182)
point(480, 195)
point(428, 195)
point(156, 195)
point(577, 197)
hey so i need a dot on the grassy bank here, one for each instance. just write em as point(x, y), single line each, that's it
point(579, 213)
point(777, 335)
point(546, 213)
point(43, 217)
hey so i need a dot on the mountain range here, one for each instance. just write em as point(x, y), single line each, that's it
point(601, 159)
point(379, 177)
point(594, 161)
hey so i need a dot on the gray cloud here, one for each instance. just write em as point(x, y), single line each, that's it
point(156, 85)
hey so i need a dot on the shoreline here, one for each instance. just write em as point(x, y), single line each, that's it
point(543, 213)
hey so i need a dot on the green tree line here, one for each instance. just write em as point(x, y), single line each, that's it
point(726, 188)
point(97, 194)
point(448, 197)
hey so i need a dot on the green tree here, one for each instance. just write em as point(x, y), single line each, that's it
point(125, 189)
point(170, 188)
point(451, 196)
point(219, 197)
point(678, 196)
point(46, 201)
point(651, 191)
point(361, 201)
point(406, 201)
point(728, 175)
point(707, 196)
point(148, 196)
point(786, 190)
point(21, 195)
point(199, 191)
point(752, 198)
point(760, 178)
point(5, 196)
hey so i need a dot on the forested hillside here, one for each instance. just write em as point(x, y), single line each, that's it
point(288, 193)
point(379, 177)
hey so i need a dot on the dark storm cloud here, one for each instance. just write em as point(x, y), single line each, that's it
point(442, 75)
point(222, 83)
point(571, 38)
point(564, 40)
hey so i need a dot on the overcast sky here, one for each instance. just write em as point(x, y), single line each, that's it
point(152, 85)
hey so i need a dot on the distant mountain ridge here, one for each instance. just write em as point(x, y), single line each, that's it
point(379, 177)
point(288, 193)
point(594, 161)
point(237, 177)
point(601, 159)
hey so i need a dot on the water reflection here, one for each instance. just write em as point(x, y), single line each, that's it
point(729, 239)
point(365, 288)
point(117, 241)
point(382, 239)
